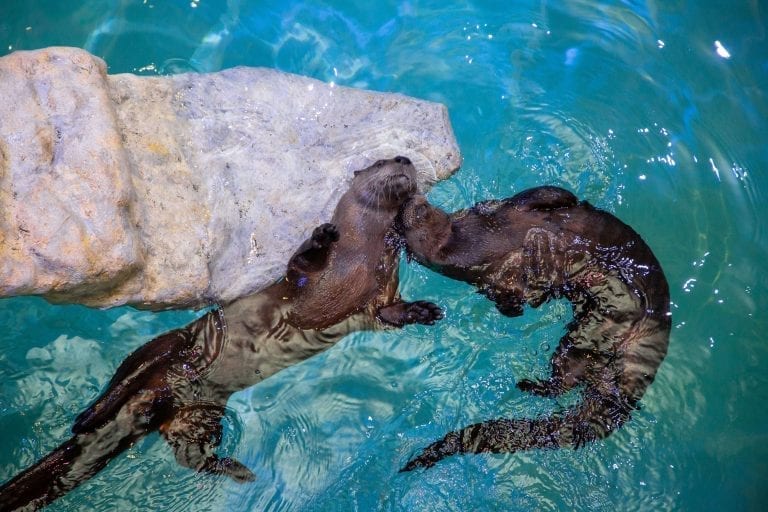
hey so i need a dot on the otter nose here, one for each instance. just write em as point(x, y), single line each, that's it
point(402, 160)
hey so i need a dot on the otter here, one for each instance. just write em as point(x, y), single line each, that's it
point(344, 278)
point(525, 250)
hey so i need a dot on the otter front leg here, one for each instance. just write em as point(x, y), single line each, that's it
point(194, 433)
point(508, 303)
point(404, 313)
point(312, 255)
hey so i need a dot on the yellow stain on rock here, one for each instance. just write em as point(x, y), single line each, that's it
point(158, 149)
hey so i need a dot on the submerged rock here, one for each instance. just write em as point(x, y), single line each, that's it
point(183, 190)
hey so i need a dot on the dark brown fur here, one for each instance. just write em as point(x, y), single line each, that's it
point(541, 244)
point(179, 382)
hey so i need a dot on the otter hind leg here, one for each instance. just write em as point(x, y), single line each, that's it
point(569, 368)
point(194, 433)
point(405, 313)
point(552, 387)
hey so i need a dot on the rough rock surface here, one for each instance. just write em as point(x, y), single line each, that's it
point(184, 190)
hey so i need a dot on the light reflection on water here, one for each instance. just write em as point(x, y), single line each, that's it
point(632, 105)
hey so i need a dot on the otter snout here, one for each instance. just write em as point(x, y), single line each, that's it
point(425, 227)
point(399, 188)
point(413, 211)
point(387, 183)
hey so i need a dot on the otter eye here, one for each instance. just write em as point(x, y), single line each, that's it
point(421, 210)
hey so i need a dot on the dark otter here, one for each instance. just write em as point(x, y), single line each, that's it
point(541, 244)
point(179, 382)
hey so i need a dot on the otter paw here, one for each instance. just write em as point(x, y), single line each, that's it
point(539, 387)
point(510, 310)
point(509, 306)
point(404, 313)
point(232, 468)
point(324, 235)
point(423, 312)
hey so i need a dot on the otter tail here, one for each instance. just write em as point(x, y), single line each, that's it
point(596, 417)
point(40, 484)
point(66, 467)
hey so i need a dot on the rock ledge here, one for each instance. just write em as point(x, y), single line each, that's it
point(184, 190)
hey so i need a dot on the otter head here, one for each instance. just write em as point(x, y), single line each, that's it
point(386, 184)
point(425, 227)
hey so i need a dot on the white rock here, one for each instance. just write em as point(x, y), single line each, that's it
point(182, 190)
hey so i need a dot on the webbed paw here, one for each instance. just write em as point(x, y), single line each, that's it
point(548, 388)
point(405, 313)
point(510, 309)
point(423, 312)
point(506, 302)
point(230, 467)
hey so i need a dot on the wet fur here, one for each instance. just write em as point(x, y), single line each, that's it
point(538, 245)
point(344, 278)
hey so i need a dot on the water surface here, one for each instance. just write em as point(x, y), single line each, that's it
point(655, 111)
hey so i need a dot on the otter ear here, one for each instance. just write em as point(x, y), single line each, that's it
point(357, 172)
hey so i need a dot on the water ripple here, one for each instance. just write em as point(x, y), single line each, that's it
point(628, 104)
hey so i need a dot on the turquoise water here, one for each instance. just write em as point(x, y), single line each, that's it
point(655, 111)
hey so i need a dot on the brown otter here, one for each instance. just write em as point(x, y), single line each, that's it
point(344, 278)
point(537, 245)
